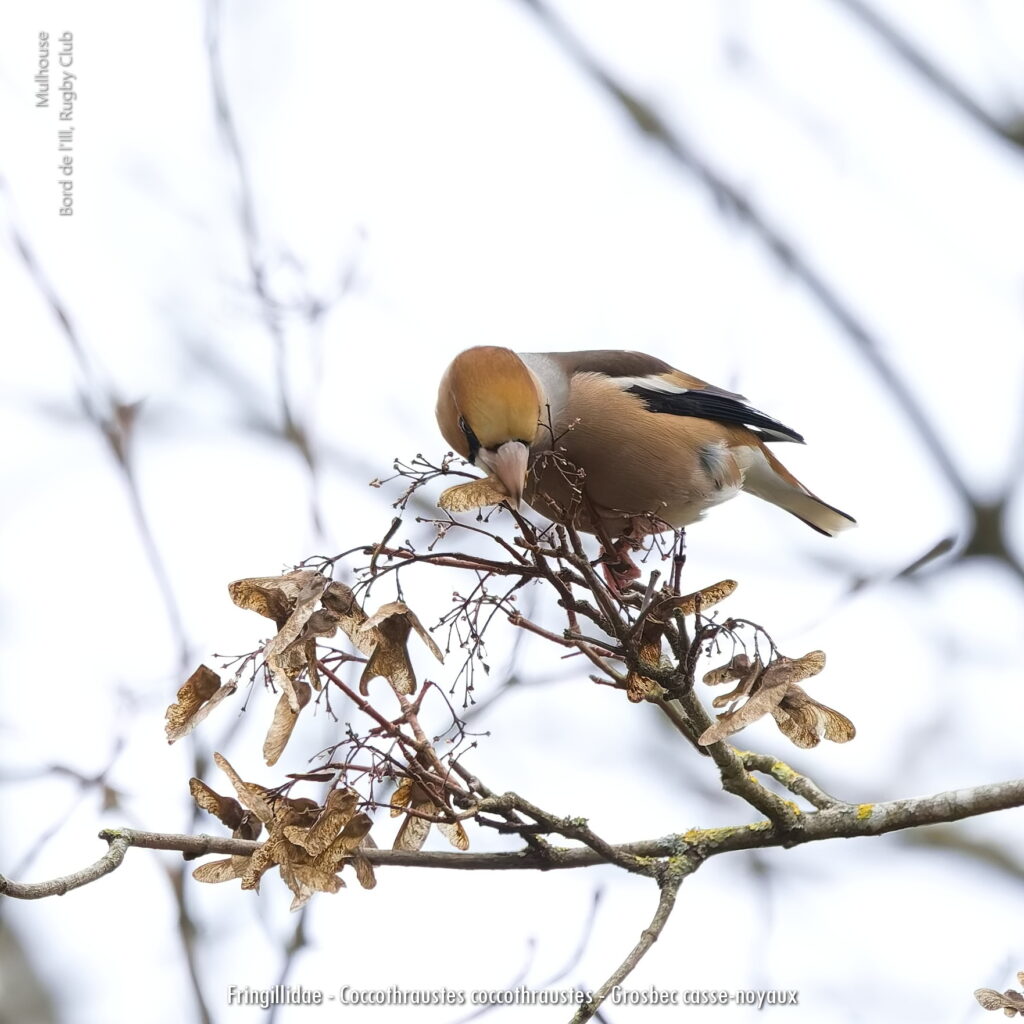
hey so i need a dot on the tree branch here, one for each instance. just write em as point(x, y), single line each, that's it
point(110, 861)
point(797, 784)
point(936, 76)
point(735, 777)
point(670, 881)
point(571, 828)
point(839, 821)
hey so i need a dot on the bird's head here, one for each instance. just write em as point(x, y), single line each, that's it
point(488, 409)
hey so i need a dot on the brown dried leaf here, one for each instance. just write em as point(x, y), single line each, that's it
point(346, 844)
point(199, 695)
point(725, 699)
point(295, 810)
point(794, 670)
point(342, 603)
point(400, 798)
point(392, 623)
point(285, 661)
point(638, 686)
point(414, 830)
point(306, 879)
point(302, 893)
point(748, 683)
point(425, 636)
point(281, 727)
point(764, 689)
point(314, 674)
point(383, 617)
point(806, 721)
point(250, 828)
point(252, 797)
point(226, 808)
point(354, 832)
point(291, 820)
point(735, 669)
point(342, 801)
point(774, 690)
point(296, 834)
point(361, 864)
point(323, 622)
point(337, 811)
point(690, 604)
point(757, 705)
point(473, 495)
point(273, 597)
point(364, 871)
point(990, 999)
point(220, 870)
point(454, 833)
point(276, 850)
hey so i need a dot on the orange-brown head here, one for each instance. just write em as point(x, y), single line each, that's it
point(488, 409)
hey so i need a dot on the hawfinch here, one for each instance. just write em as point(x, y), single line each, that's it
point(618, 443)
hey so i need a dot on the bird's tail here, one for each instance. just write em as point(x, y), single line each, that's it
point(767, 478)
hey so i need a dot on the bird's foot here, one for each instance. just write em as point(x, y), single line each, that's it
point(618, 566)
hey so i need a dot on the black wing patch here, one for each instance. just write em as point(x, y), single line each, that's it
point(712, 404)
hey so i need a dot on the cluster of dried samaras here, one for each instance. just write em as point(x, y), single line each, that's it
point(305, 606)
point(310, 842)
point(773, 689)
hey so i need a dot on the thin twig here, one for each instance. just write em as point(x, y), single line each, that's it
point(670, 880)
point(799, 785)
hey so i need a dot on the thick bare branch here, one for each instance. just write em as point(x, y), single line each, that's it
point(840, 821)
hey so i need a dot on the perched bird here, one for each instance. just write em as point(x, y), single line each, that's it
point(616, 443)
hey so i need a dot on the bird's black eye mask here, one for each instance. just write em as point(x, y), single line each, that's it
point(471, 439)
point(474, 443)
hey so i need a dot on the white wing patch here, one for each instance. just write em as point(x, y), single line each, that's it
point(653, 383)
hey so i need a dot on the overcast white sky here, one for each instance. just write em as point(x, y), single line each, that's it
point(471, 184)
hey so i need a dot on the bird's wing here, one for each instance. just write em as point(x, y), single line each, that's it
point(663, 389)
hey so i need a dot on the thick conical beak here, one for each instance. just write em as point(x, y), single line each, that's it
point(509, 464)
